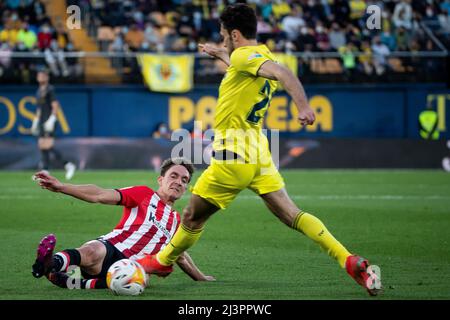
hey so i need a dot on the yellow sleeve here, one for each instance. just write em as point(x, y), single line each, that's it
point(248, 61)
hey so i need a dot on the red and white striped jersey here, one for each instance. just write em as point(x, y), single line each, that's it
point(147, 224)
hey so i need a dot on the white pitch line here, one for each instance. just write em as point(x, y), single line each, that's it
point(355, 197)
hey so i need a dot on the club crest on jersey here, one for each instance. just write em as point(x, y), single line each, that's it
point(255, 55)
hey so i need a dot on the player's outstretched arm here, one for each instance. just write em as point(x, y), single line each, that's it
point(215, 52)
point(186, 264)
point(90, 193)
point(290, 82)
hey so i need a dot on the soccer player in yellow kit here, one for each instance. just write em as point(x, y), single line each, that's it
point(241, 157)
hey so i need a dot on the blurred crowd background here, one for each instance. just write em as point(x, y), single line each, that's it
point(329, 37)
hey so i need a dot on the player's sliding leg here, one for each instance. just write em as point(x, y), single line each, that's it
point(47, 262)
point(89, 257)
point(64, 280)
point(194, 217)
point(283, 207)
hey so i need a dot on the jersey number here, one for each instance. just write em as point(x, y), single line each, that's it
point(263, 104)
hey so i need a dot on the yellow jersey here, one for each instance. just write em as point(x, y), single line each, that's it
point(242, 103)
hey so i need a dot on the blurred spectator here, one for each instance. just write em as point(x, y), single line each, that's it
point(340, 11)
point(292, 23)
point(386, 22)
point(348, 58)
point(5, 56)
point(306, 38)
point(353, 34)
point(105, 36)
point(365, 59)
point(337, 37)
point(380, 53)
point(357, 11)
point(62, 38)
point(431, 16)
point(444, 21)
point(445, 6)
point(44, 37)
point(314, 11)
point(151, 36)
point(280, 9)
point(134, 38)
point(27, 37)
point(322, 39)
point(161, 132)
point(265, 7)
point(9, 34)
point(54, 56)
point(388, 40)
point(402, 39)
point(264, 29)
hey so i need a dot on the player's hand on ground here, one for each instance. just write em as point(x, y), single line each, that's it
point(306, 116)
point(47, 181)
point(208, 278)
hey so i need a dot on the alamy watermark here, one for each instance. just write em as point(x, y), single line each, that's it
point(373, 22)
point(374, 280)
point(73, 20)
point(232, 146)
point(74, 279)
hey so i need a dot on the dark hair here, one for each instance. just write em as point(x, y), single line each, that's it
point(42, 69)
point(241, 17)
point(169, 163)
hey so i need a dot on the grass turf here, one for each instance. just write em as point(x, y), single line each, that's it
point(400, 220)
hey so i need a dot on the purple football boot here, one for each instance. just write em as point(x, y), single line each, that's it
point(43, 263)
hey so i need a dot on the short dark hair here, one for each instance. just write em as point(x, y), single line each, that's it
point(43, 69)
point(169, 163)
point(241, 17)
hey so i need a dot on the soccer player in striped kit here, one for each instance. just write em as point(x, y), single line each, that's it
point(147, 225)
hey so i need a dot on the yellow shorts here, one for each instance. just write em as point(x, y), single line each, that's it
point(221, 182)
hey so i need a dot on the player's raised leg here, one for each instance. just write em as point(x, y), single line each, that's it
point(89, 257)
point(285, 209)
point(194, 218)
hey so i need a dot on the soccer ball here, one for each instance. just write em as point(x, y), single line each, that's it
point(126, 277)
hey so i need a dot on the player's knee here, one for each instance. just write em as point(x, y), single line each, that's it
point(191, 220)
point(188, 215)
point(90, 255)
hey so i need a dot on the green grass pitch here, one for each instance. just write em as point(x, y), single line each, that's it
point(399, 220)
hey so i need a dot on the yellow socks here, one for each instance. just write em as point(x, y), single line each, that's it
point(183, 239)
point(306, 223)
point(314, 229)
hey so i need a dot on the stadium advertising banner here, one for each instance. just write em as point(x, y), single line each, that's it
point(18, 107)
point(341, 111)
